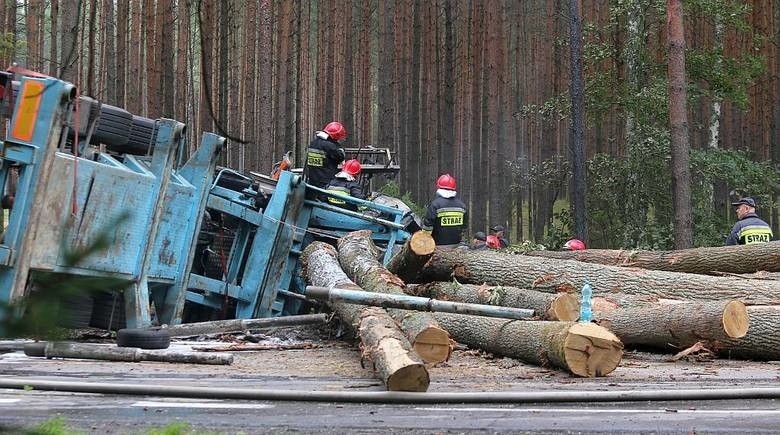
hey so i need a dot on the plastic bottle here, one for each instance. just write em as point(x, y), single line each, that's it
point(585, 304)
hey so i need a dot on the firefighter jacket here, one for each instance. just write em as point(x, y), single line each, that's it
point(344, 187)
point(749, 230)
point(446, 219)
point(322, 160)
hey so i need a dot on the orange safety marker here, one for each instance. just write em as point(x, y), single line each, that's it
point(29, 102)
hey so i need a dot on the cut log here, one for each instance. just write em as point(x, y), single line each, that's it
point(358, 258)
point(584, 349)
point(614, 301)
point(731, 259)
point(394, 360)
point(408, 262)
point(550, 275)
point(762, 341)
point(676, 325)
point(547, 306)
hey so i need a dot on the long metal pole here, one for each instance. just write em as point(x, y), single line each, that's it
point(413, 303)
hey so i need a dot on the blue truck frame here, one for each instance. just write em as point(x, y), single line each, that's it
point(152, 208)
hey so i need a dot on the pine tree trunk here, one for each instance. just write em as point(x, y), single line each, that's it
point(407, 263)
point(496, 268)
point(676, 325)
point(384, 344)
point(584, 349)
point(762, 342)
point(357, 255)
point(547, 306)
point(731, 259)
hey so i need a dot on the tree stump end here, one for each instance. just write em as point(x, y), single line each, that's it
point(591, 350)
point(565, 307)
point(432, 345)
point(735, 319)
point(422, 243)
point(413, 377)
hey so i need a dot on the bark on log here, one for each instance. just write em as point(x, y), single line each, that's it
point(358, 258)
point(395, 362)
point(550, 275)
point(235, 325)
point(676, 325)
point(407, 263)
point(584, 349)
point(61, 349)
point(547, 306)
point(611, 302)
point(762, 341)
point(730, 259)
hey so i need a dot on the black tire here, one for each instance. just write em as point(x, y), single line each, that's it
point(35, 349)
point(142, 136)
point(75, 312)
point(108, 311)
point(113, 127)
point(231, 181)
point(143, 338)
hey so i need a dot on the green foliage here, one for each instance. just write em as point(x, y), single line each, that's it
point(176, 428)
point(524, 247)
point(54, 426)
point(393, 189)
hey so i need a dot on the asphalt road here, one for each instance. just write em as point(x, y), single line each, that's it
point(94, 413)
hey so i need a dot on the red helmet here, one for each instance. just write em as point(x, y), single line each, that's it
point(574, 245)
point(335, 130)
point(492, 242)
point(351, 167)
point(446, 181)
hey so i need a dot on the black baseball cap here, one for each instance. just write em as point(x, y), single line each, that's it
point(479, 235)
point(498, 228)
point(746, 200)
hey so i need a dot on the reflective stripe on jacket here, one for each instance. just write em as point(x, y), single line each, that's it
point(750, 230)
point(446, 219)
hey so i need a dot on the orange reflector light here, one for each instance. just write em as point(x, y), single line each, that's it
point(29, 103)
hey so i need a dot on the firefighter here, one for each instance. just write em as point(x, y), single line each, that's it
point(749, 229)
point(324, 155)
point(574, 245)
point(345, 184)
point(446, 215)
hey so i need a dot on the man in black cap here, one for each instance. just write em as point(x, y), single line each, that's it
point(497, 231)
point(749, 229)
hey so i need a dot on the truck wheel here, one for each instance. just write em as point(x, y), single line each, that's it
point(143, 338)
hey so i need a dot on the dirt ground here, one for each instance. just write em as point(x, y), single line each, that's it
point(309, 358)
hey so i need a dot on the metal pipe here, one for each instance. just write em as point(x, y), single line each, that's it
point(358, 215)
point(405, 302)
point(232, 393)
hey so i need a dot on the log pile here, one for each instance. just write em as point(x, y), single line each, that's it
point(396, 363)
point(726, 300)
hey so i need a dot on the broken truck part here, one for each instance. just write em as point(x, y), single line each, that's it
point(193, 241)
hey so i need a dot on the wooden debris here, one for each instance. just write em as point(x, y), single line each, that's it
point(236, 325)
point(244, 347)
point(584, 349)
point(396, 363)
point(547, 306)
point(60, 349)
point(358, 258)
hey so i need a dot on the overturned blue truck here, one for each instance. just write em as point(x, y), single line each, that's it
point(191, 240)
